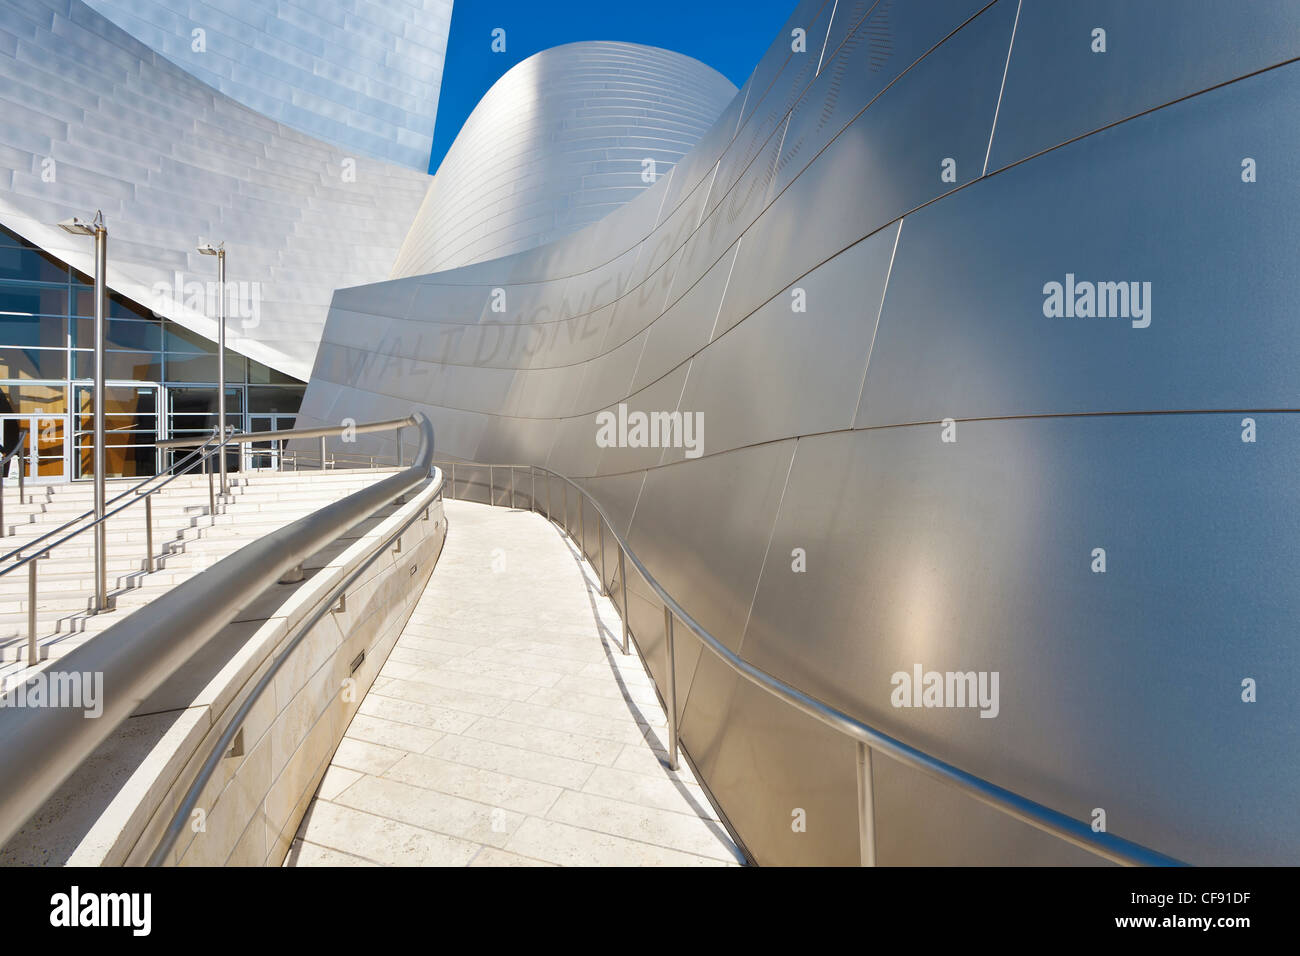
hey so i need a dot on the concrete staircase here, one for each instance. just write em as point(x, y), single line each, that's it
point(186, 540)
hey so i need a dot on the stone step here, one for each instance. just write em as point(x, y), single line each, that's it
point(186, 539)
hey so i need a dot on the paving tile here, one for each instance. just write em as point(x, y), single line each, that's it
point(545, 740)
point(440, 812)
point(474, 783)
point(663, 790)
point(390, 733)
point(665, 828)
point(375, 838)
point(506, 727)
point(567, 845)
point(336, 780)
point(365, 757)
point(491, 856)
point(515, 761)
point(445, 697)
point(309, 854)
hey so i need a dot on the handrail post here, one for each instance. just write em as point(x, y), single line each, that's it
point(532, 489)
point(601, 525)
point(212, 498)
point(866, 808)
point(401, 451)
point(148, 534)
point(622, 575)
point(322, 452)
point(582, 526)
point(453, 481)
point(671, 656)
point(3, 531)
point(512, 487)
point(22, 465)
point(32, 652)
point(492, 485)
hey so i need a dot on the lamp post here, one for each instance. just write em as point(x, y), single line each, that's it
point(220, 252)
point(97, 229)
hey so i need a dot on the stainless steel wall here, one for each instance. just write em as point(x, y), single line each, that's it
point(363, 75)
point(559, 142)
point(823, 429)
point(91, 118)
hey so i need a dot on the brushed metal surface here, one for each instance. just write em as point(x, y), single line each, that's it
point(1156, 52)
point(1118, 690)
point(361, 75)
point(997, 247)
point(579, 121)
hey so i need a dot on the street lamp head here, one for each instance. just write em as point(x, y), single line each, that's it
point(79, 227)
point(207, 249)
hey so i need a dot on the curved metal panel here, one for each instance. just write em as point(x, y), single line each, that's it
point(557, 143)
point(94, 119)
point(360, 75)
point(831, 535)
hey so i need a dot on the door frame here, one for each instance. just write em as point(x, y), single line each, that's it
point(32, 422)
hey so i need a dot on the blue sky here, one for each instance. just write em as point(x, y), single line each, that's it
point(728, 35)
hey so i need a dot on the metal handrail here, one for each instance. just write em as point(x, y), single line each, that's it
point(1041, 817)
point(45, 549)
point(40, 547)
point(4, 466)
point(184, 811)
point(193, 458)
point(321, 432)
point(45, 745)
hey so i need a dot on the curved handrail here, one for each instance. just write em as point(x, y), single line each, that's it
point(185, 809)
point(44, 745)
point(320, 431)
point(1106, 845)
point(193, 458)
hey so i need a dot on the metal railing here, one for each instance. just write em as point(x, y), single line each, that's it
point(181, 817)
point(869, 739)
point(44, 745)
point(40, 547)
point(17, 452)
point(325, 459)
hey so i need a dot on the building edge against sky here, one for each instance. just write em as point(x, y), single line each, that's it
point(362, 74)
point(843, 284)
point(845, 287)
point(557, 143)
point(96, 119)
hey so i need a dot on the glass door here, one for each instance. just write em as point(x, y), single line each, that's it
point(45, 433)
point(265, 455)
point(40, 410)
point(130, 430)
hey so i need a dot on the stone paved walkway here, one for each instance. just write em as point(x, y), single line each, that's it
point(507, 728)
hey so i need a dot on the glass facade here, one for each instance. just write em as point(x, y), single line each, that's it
point(161, 378)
